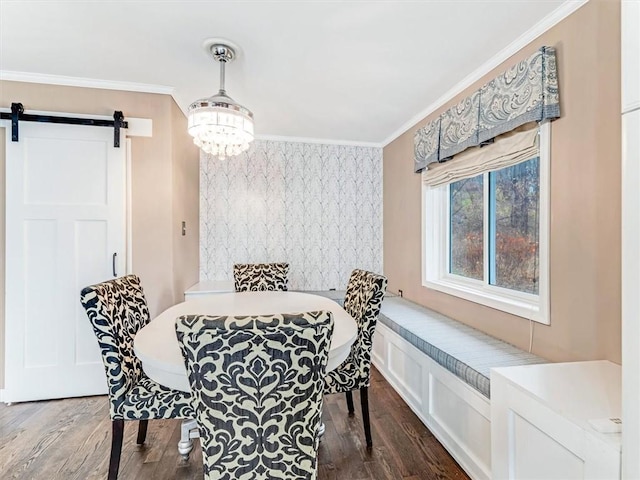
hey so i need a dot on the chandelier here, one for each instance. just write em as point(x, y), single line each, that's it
point(218, 124)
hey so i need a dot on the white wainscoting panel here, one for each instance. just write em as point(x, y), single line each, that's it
point(317, 207)
point(458, 415)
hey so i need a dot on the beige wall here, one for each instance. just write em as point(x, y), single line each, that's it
point(164, 183)
point(186, 201)
point(585, 201)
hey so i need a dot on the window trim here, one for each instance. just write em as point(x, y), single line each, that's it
point(435, 254)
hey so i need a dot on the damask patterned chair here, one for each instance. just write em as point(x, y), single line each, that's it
point(254, 277)
point(257, 387)
point(117, 309)
point(363, 300)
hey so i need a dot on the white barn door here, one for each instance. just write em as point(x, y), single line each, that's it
point(65, 220)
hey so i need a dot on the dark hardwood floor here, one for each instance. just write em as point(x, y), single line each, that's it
point(70, 439)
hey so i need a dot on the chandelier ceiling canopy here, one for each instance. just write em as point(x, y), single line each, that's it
point(219, 125)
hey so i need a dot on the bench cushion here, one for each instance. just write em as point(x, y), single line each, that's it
point(463, 350)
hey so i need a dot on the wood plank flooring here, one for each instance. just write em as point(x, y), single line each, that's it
point(71, 439)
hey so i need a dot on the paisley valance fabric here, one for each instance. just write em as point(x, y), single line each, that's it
point(526, 92)
point(426, 145)
point(459, 127)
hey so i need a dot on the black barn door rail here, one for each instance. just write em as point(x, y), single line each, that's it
point(17, 114)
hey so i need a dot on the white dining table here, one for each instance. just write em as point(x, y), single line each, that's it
point(157, 347)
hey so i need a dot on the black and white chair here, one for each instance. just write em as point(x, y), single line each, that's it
point(255, 277)
point(117, 310)
point(257, 384)
point(363, 300)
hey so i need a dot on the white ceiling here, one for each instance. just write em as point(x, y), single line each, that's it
point(340, 71)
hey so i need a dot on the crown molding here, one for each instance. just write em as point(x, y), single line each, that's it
point(555, 17)
point(83, 82)
point(323, 141)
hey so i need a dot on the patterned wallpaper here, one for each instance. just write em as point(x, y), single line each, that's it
point(318, 207)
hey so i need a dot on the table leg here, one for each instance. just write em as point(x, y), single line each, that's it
point(188, 430)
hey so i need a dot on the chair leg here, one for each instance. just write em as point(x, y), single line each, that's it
point(117, 432)
point(350, 402)
point(142, 431)
point(364, 401)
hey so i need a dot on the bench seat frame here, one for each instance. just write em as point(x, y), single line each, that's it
point(457, 414)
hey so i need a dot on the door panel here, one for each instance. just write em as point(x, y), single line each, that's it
point(65, 190)
point(50, 184)
point(40, 319)
point(92, 255)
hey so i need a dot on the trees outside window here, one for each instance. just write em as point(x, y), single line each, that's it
point(466, 227)
point(513, 227)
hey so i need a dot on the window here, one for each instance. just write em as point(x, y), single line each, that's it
point(485, 237)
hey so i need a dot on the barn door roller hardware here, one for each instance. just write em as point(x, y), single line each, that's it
point(17, 115)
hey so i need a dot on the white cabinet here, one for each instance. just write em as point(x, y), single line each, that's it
point(540, 421)
point(630, 288)
point(630, 43)
point(630, 16)
point(209, 287)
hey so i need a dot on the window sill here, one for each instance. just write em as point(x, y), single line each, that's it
point(522, 305)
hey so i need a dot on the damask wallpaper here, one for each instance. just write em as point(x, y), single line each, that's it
point(318, 207)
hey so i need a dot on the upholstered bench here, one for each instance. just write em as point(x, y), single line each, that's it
point(464, 351)
point(441, 368)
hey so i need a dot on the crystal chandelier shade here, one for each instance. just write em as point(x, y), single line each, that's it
point(219, 125)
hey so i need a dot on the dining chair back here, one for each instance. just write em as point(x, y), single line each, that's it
point(254, 277)
point(257, 384)
point(117, 310)
point(363, 300)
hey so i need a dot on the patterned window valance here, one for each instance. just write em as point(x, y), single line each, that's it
point(459, 128)
point(526, 92)
point(426, 144)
